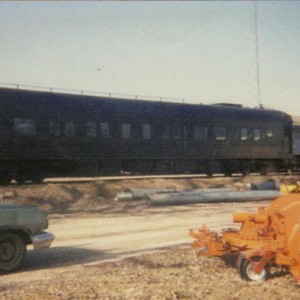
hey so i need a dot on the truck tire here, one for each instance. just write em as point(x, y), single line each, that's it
point(12, 252)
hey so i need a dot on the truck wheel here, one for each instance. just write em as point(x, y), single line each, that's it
point(245, 269)
point(12, 252)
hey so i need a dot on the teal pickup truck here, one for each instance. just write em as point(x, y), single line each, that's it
point(21, 226)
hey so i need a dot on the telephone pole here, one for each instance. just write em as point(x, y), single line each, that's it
point(257, 57)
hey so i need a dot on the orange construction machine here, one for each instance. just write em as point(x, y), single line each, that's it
point(268, 238)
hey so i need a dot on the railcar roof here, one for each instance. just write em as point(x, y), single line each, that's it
point(193, 109)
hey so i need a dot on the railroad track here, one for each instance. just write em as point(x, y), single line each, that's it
point(58, 180)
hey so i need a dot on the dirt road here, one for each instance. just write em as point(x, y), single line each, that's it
point(89, 239)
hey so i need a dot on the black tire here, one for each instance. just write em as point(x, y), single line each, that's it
point(245, 269)
point(12, 252)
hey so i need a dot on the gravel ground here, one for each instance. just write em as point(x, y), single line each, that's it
point(170, 274)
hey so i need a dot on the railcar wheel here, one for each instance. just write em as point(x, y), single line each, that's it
point(246, 269)
point(37, 177)
point(38, 180)
point(20, 179)
point(12, 252)
point(6, 172)
point(5, 180)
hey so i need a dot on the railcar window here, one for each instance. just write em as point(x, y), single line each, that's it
point(176, 133)
point(104, 129)
point(54, 128)
point(269, 134)
point(220, 133)
point(24, 127)
point(296, 139)
point(69, 129)
point(244, 134)
point(146, 131)
point(126, 131)
point(91, 129)
point(166, 132)
point(200, 133)
point(257, 134)
point(171, 132)
point(286, 131)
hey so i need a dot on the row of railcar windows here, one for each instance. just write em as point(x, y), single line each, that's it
point(26, 127)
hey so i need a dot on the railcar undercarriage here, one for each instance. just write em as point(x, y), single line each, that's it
point(35, 171)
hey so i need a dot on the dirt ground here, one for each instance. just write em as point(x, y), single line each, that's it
point(98, 196)
point(172, 273)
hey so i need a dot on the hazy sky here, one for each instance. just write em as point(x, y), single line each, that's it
point(203, 52)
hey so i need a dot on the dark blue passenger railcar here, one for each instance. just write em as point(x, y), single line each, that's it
point(45, 134)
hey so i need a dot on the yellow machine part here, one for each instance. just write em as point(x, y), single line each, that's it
point(287, 188)
point(273, 233)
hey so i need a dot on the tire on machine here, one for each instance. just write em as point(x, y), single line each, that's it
point(245, 269)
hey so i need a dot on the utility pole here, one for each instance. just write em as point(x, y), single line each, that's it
point(257, 56)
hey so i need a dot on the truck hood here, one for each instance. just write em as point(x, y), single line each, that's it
point(32, 219)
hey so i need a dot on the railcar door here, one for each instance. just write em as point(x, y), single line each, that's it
point(287, 141)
